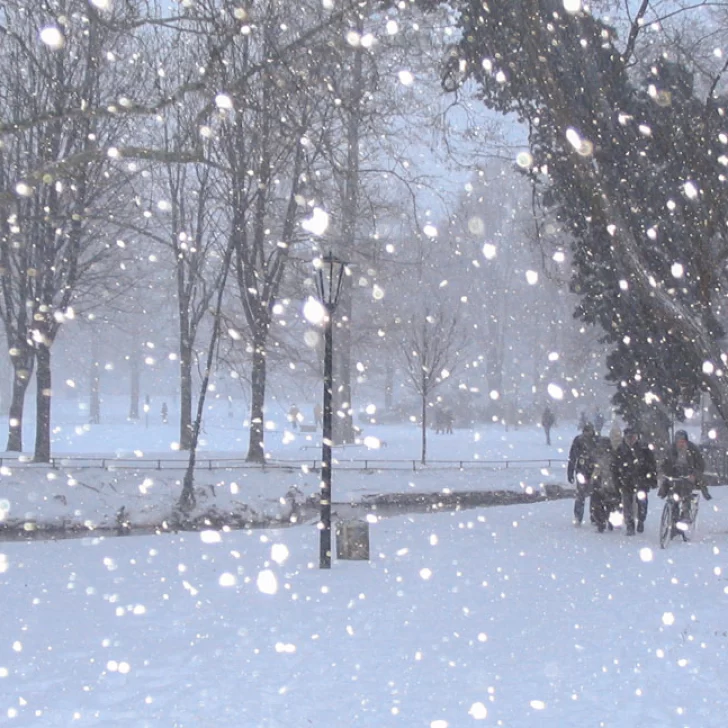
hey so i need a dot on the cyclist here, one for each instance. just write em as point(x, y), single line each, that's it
point(581, 467)
point(684, 460)
point(634, 471)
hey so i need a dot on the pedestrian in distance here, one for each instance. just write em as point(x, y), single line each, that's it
point(598, 422)
point(449, 420)
point(582, 460)
point(294, 416)
point(318, 415)
point(548, 420)
point(165, 412)
point(634, 472)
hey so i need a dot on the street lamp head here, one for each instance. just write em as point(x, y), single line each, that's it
point(329, 275)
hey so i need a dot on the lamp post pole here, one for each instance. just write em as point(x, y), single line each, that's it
point(327, 428)
point(330, 272)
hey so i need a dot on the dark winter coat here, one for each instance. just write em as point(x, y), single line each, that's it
point(694, 463)
point(634, 468)
point(548, 419)
point(581, 458)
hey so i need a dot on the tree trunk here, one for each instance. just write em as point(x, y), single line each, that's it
point(185, 383)
point(256, 446)
point(6, 375)
point(43, 404)
point(388, 383)
point(95, 393)
point(344, 428)
point(135, 381)
point(21, 380)
point(424, 428)
point(344, 420)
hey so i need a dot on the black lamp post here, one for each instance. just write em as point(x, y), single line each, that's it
point(329, 274)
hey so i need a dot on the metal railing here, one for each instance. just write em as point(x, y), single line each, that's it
point(360, 464)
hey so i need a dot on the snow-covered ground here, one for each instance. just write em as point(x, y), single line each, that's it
point(143, 469)
point(504, 616)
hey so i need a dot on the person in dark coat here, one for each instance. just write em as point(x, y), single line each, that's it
point(548, 419)
point(634, 471)
point(449, 418)
point(598, 422)
point(684, 460)
point(604, 496)
point(294, 416)
point(581, 467)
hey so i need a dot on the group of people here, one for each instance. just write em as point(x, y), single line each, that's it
point(444, 419)
point(295, 416)
point(619, 478)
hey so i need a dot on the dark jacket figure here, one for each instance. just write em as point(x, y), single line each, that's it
point(582, 460)
point(318, 415)
point(684, 460)
point(439, 420)
point(605, 497)
point(548, 419)
point(598, 422)
point(165, 412)
point(634, 471)
point(294, 416)
point(449, 418)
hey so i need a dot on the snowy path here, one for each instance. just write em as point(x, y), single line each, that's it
point(509, 611)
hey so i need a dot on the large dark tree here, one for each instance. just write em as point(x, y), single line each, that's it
point(636, 170)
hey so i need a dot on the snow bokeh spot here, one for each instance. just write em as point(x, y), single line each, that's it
point(406, 78)
point(52, 37)
point(267, 582)
point(318, 223)
point(646, 554)
point(279, 553)
point(555, 391)
point(227, 579)
point(314, 312)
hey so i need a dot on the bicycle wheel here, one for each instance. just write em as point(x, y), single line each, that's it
point(694, 509)
point(666, 524)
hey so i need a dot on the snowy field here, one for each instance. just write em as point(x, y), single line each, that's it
point(143, 469)
point(503, 616)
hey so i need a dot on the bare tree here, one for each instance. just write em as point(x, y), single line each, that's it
point(52, 178)
point(431, 349)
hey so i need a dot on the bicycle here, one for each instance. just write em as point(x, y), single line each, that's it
point(679, 516)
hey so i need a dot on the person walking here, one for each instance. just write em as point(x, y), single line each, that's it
point(449, 418)
point(318, 416)
point(580, 468)
point(548, 419)
point(634, 471)
point(294, 416)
